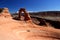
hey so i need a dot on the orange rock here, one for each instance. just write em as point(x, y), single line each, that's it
point(26, 14)
point(5, 12)
point(11, 29)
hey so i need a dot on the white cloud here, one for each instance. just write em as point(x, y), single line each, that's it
point(17, 12)
point(27, 11)
point(31, 11)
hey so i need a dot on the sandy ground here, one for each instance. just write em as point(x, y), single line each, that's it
point(20, 30)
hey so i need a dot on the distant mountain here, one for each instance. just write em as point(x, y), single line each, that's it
point(46, 13)
point(51, 17)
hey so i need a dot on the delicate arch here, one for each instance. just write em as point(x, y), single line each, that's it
point(26, 14)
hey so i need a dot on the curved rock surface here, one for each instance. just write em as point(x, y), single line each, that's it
point(19, 30)
point(11, 29)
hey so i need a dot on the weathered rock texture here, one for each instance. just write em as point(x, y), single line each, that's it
point(11, 29)
point(26, 14)
point(5, 12)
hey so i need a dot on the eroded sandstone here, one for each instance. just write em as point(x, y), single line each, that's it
point(11, 29)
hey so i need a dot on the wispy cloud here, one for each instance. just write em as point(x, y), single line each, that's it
point(27, 11)
point(31, 11)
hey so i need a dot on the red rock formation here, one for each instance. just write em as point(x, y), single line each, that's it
point(19, 30)
point(26, 14)
point(5, 12)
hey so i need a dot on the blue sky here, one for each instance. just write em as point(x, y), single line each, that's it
point(31, 5)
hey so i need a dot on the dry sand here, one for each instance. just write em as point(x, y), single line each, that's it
point(20, 30)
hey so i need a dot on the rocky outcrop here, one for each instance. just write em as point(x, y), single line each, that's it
point(5, 12)
point(11, 29)
point(26, 14)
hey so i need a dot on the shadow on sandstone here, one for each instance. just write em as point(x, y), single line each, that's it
point(41, 22)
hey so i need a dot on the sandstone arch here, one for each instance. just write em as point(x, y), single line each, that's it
point(26, 14)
